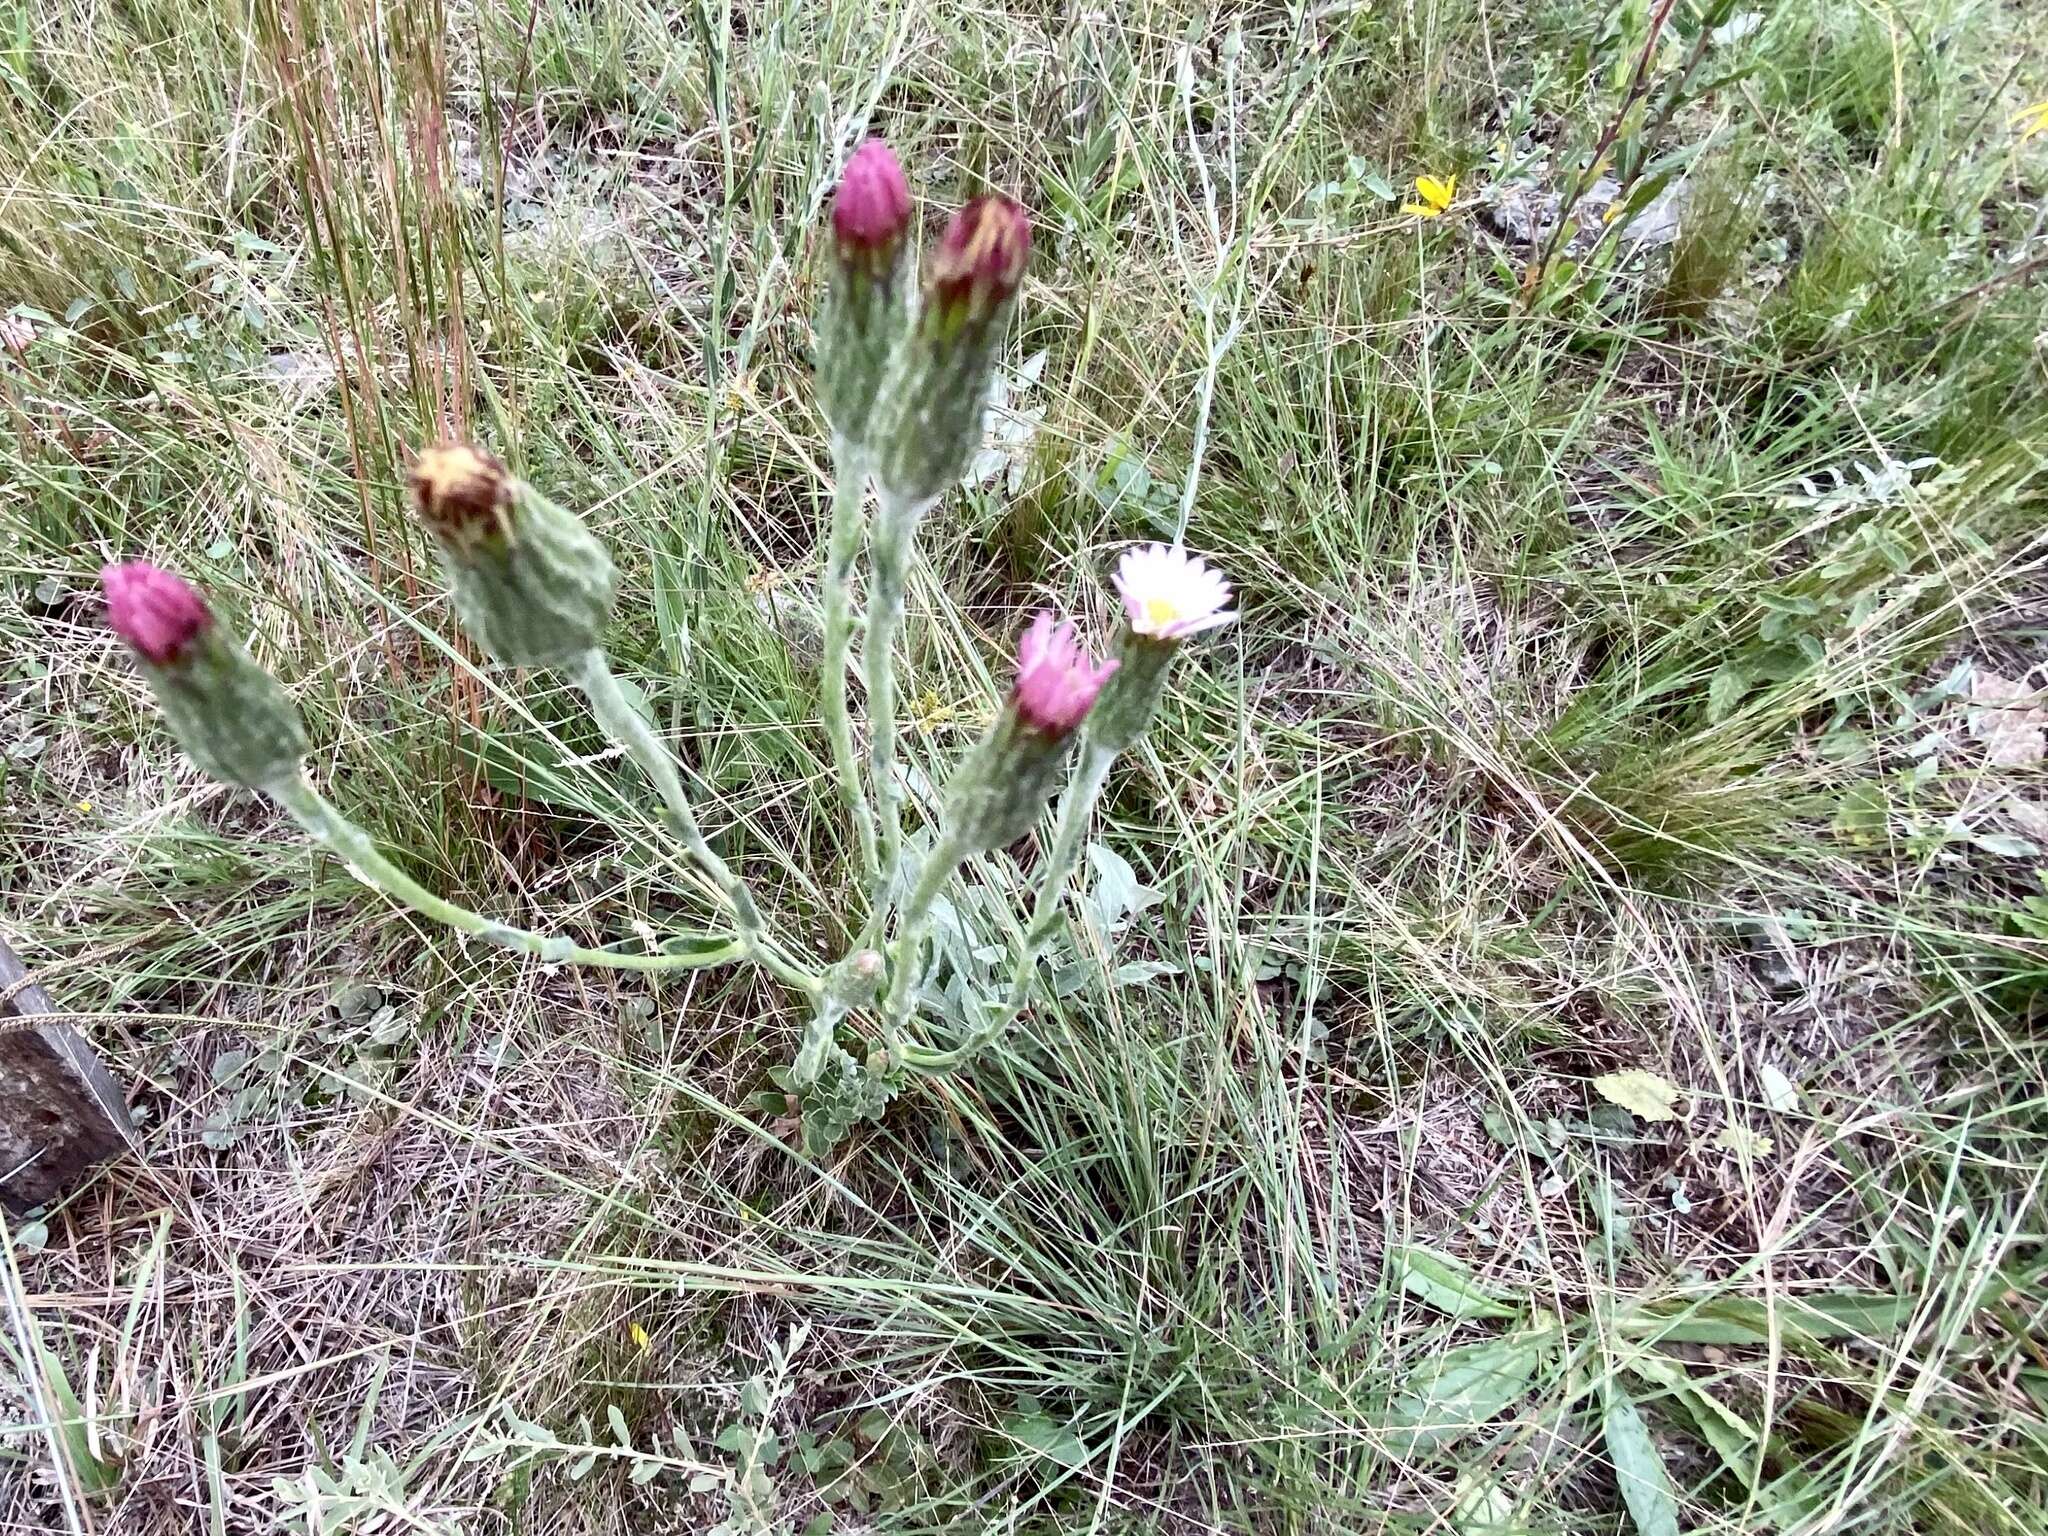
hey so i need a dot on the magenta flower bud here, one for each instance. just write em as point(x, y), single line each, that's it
point(1056, 683)
point(998, 792)
point(979, 264)
point(229, 715)
point(154, 611)
point(930, 426)
point(867, 292)
point(871, 210)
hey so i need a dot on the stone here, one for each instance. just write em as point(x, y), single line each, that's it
point(61, 1111)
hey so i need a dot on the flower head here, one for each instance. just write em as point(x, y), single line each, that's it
point(1432, 197)
point(871, 209)
point(979, 263)
point(1170, 594)
point(461, 493)
point(154, 611)
point(530, 582)
point(1056, 682)
point(231, 717)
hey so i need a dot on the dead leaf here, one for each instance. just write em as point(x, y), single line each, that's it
point(1779, 1093)
point(1643, 1094)
point(2011, 722)
point(1742, 1141)
point(2030, 817)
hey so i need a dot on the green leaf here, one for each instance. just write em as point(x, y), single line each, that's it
point(1779, 1092)
point(1460, 1389)
point(1047, 1437)
point(1639, 1467)
point(2006, 845)
point(1119, 895)
point(1137, 972)
point(94, 1474)
point(1861, 813)
point(1799, 1319)
point(1731, 1437)
point(1726, 690)
point(534, 769)
point(1445, 1283)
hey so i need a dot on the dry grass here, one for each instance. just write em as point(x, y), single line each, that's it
point(1575, 724)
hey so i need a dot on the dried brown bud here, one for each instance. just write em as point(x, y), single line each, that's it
point(462, 493)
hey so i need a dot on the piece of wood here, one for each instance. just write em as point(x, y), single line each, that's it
point(61, 1112)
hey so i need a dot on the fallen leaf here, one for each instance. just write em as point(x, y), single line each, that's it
point(1643, 1094)
point(2012, 723)
point(2030, 816)
point(1742, 1141)
point(1779, 1093)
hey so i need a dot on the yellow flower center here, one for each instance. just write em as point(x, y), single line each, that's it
point(1161, 610)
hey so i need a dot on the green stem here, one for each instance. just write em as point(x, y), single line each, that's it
point(368, 864)
point(848, 492)
point(892, 545)
point(912, 922)
point(1077, 805)
point(630, 731)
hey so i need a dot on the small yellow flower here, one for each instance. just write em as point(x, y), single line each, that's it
point(932, 711)
point(2032, 121)
point(640, 1339)
point(1432, 197)
point(84, 806)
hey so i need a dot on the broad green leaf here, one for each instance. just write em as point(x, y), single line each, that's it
point(1119, 894)
point(1445, 1283)
point(1799, 1319)
point(1639, 1467)
point(1462, 1388)
point(1732, 1437)
point(1643, 1094)
point(1048, 1438)
point(96, 1474)
point(1726, 690)
point(1481, 1507)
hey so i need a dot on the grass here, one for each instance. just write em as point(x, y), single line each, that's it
point(1610, 693)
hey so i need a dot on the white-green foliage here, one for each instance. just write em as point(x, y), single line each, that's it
point(535, 588)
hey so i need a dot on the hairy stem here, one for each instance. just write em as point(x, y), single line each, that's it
point(1077, 805)
point(892, 545)
point(913, 921)
point(848, 492)
point(631, 732)
point(368, 864)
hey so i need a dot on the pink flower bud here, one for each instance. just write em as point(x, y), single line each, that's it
point(979, 264)
point(1056, 683)
point(154, 611)
point(871, 209)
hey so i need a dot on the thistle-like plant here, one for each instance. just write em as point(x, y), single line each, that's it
point(903, 380)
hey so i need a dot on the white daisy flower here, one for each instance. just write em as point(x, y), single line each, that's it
point(1170, 594)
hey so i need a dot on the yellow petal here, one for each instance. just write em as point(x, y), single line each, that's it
point(640, 1338)
point(1421, 212)
point(1437, 194)
point(2031, 120)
